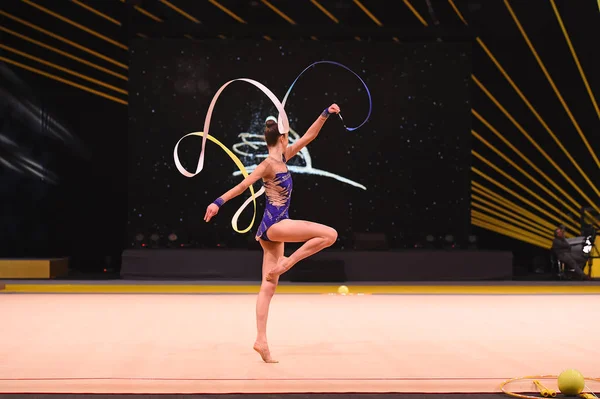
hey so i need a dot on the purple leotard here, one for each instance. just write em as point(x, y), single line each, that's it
point(278, 193)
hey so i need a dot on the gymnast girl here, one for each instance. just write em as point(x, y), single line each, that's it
point(276, 227)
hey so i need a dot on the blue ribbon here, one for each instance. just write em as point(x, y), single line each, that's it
point(350, 129)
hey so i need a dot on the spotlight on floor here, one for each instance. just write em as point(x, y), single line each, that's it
point(139, 241)
point(430, 240)
point(172, 240)
point(449, 242)
point(472, 242)
point(155, 238)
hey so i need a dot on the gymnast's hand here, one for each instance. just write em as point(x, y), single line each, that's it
point(211, 211)
point(333, 109)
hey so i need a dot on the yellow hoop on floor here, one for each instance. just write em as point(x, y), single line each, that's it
point(545, 392)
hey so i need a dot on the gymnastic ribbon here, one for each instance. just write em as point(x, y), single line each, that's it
point(346, 68)
point(282, 123)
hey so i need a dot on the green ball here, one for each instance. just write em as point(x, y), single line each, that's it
point(571, 382)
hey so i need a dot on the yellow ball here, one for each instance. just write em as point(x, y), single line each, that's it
point(343, 290)
point(571, 382)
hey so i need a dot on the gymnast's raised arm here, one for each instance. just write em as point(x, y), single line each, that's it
point(311, 133)
point(258, 173)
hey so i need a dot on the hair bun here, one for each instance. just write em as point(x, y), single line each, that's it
point(270, 122)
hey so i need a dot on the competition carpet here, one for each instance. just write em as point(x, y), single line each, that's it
point(183, 338)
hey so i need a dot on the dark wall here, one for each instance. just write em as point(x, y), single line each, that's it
point(412, 157)
point(63, 173)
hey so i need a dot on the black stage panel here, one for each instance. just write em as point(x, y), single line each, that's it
point(326, 266)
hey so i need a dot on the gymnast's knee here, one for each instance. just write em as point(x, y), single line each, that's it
point(330, 236)
point(268, 287)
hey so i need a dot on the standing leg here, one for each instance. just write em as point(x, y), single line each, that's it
point(314, 235)
point(272, 251)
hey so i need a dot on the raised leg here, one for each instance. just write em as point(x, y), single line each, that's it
point(314, 235)
point(272, 251)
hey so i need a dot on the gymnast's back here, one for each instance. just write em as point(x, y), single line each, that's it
point(277, 182)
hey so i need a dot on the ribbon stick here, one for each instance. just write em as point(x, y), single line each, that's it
point(282, 123)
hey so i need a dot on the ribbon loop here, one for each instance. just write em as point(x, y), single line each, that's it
point(346, 68)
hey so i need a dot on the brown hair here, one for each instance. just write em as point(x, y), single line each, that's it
point(271, 133)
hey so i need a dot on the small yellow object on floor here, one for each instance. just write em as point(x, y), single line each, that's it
point(343, 290)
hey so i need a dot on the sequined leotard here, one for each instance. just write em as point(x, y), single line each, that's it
point(278, 193)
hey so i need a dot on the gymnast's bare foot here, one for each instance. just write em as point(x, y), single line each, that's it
point(263, 351)
point(282, 266)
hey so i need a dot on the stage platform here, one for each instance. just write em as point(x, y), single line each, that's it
point(414, 338)
point(252, 287)
point(257, 396)
point(326, 266)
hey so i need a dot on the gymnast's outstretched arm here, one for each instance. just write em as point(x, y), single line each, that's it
point(311, 133)
point(256, 174)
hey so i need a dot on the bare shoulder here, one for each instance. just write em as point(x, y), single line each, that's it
point(265, 169)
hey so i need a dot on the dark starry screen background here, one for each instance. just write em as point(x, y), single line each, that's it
point(413, 155)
